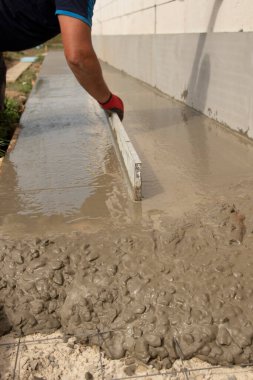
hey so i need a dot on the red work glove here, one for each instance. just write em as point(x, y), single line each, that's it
point(114, 104)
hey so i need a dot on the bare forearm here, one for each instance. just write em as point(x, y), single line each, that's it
point(88, 72)
point(80, 55)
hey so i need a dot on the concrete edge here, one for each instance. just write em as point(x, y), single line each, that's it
point(14, 139)
point(11, 146)
point(1, 163)
point(130, 159)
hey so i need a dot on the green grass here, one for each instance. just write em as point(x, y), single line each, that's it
point(8, 120)
point(13, 106)
point(23, 86)
point(10, 116)
point(25, 83)
point(11, 112)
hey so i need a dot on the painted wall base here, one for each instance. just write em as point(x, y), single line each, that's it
point(212, 73)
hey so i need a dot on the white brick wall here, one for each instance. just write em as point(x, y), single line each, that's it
point(190, 49)
point(172, 16)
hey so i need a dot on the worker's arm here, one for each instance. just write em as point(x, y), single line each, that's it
point(80, 55)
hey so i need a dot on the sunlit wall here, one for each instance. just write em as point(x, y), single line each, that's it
point(198, 51)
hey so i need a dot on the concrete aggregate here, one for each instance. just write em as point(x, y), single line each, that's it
point(188, 295)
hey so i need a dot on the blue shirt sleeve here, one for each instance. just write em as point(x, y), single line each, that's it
point(80, 9)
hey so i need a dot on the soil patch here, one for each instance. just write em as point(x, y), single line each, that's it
point(16, 96)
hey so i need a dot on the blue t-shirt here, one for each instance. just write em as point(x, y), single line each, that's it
point(28, 23)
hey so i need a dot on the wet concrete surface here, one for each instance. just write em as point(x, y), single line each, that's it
point(176, 282)
point(186, 157)
point(184, 291)
point(63, 170)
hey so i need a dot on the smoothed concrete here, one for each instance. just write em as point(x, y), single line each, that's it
point(63, 170)
point(186, 156)
point(64, 173)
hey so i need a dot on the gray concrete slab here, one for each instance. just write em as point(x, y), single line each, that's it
point(64, 173)
point(63, 170)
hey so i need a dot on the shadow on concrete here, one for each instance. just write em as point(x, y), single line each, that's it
point(5, 349)
point(160, 118)
point(197, 92)
point(5, 326)
point(198, 85)
point(201, 88)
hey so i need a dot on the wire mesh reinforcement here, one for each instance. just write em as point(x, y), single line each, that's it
point(184, 370)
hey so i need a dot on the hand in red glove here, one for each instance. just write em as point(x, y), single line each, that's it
point(114, 104)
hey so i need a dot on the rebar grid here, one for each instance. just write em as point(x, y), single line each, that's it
point(184, 370)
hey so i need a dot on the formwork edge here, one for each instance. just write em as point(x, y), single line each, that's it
point(129, 157)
